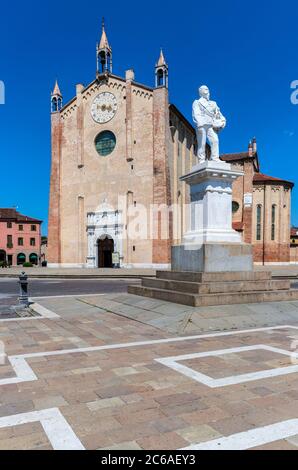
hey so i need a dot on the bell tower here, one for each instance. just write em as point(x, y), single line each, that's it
point(161, 72)
point(103, 53)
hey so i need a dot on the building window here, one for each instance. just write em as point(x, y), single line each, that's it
point(32, 241)
point(179, 148)
point(9, 241)
point(20, 241)
point(105, 143)
point(259, 220)
point(235, 206)
point(21, 227)
point(273, 217)
point(33, 228)
point(9, 224)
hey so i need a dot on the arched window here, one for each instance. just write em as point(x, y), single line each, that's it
point(259, 222)
point(160, 78)
point(33, 258)
point(21, 258)
point(273, 219)
point(54, 105)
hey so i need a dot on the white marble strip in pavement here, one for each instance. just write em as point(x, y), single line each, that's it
point(173, 363)
point(57, 429)
point(253, 438)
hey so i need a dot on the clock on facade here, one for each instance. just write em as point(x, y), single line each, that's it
point(104, 107)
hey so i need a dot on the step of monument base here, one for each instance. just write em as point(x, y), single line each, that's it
point(214, 277)
point(216, 287)
point(204, 300)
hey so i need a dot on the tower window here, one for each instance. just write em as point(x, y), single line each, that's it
point(259, 220)
point(160, 78)
point(273, 217)
point(54, 105)
point(105, 143)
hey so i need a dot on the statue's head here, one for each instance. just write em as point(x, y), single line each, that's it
point(204, 92)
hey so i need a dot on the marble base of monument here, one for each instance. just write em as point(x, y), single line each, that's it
point(212, 257)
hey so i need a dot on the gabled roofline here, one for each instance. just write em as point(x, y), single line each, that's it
point(108, 75)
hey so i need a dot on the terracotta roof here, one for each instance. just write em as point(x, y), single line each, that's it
point(261, 178)
point(230, 157)
point(239, 226)
point(12, 214)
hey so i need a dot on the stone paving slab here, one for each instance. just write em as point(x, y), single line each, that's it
point(99, 369)
point(176, 318)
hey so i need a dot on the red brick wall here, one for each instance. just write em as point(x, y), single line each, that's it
point(54, 249)
point(161, 175)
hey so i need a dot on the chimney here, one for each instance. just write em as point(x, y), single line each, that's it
point(250, 149)
point(254, 145)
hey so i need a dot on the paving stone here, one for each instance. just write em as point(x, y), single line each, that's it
point(124, 399)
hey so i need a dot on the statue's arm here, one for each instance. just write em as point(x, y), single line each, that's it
point(195, 109)
point(220, 118)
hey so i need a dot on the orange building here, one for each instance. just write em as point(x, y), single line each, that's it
point(19, 238)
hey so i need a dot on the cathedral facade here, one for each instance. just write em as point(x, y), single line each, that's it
point(118, 150)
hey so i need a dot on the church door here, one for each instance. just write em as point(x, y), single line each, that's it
point(105, 250)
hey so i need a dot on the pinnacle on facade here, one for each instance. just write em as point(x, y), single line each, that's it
point(161, 60)
point(104, 43)
point(56, 90)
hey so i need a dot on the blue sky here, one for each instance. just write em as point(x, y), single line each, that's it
point(245, 51)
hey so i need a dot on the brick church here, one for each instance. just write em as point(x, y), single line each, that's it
point(118, 150)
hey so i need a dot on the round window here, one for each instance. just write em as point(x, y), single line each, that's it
point(235, 206)
point(105, 143)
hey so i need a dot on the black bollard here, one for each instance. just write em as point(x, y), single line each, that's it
point(23, 282)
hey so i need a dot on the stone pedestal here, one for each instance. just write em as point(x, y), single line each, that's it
point(210, 243)
point(212, 266)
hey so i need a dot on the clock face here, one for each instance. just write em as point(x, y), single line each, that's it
point(104, 107)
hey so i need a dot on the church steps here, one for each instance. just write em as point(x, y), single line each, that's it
point(216, 287)
point(201, 300)
point(214, 276)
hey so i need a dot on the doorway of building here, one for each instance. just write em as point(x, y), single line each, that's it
point(2, 256)
point(105, 250)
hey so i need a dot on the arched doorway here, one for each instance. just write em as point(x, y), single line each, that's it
point(105, 248)
point(21, 258)
point(33, 258)
point(2, 256)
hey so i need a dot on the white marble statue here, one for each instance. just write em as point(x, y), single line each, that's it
point(209, 121)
